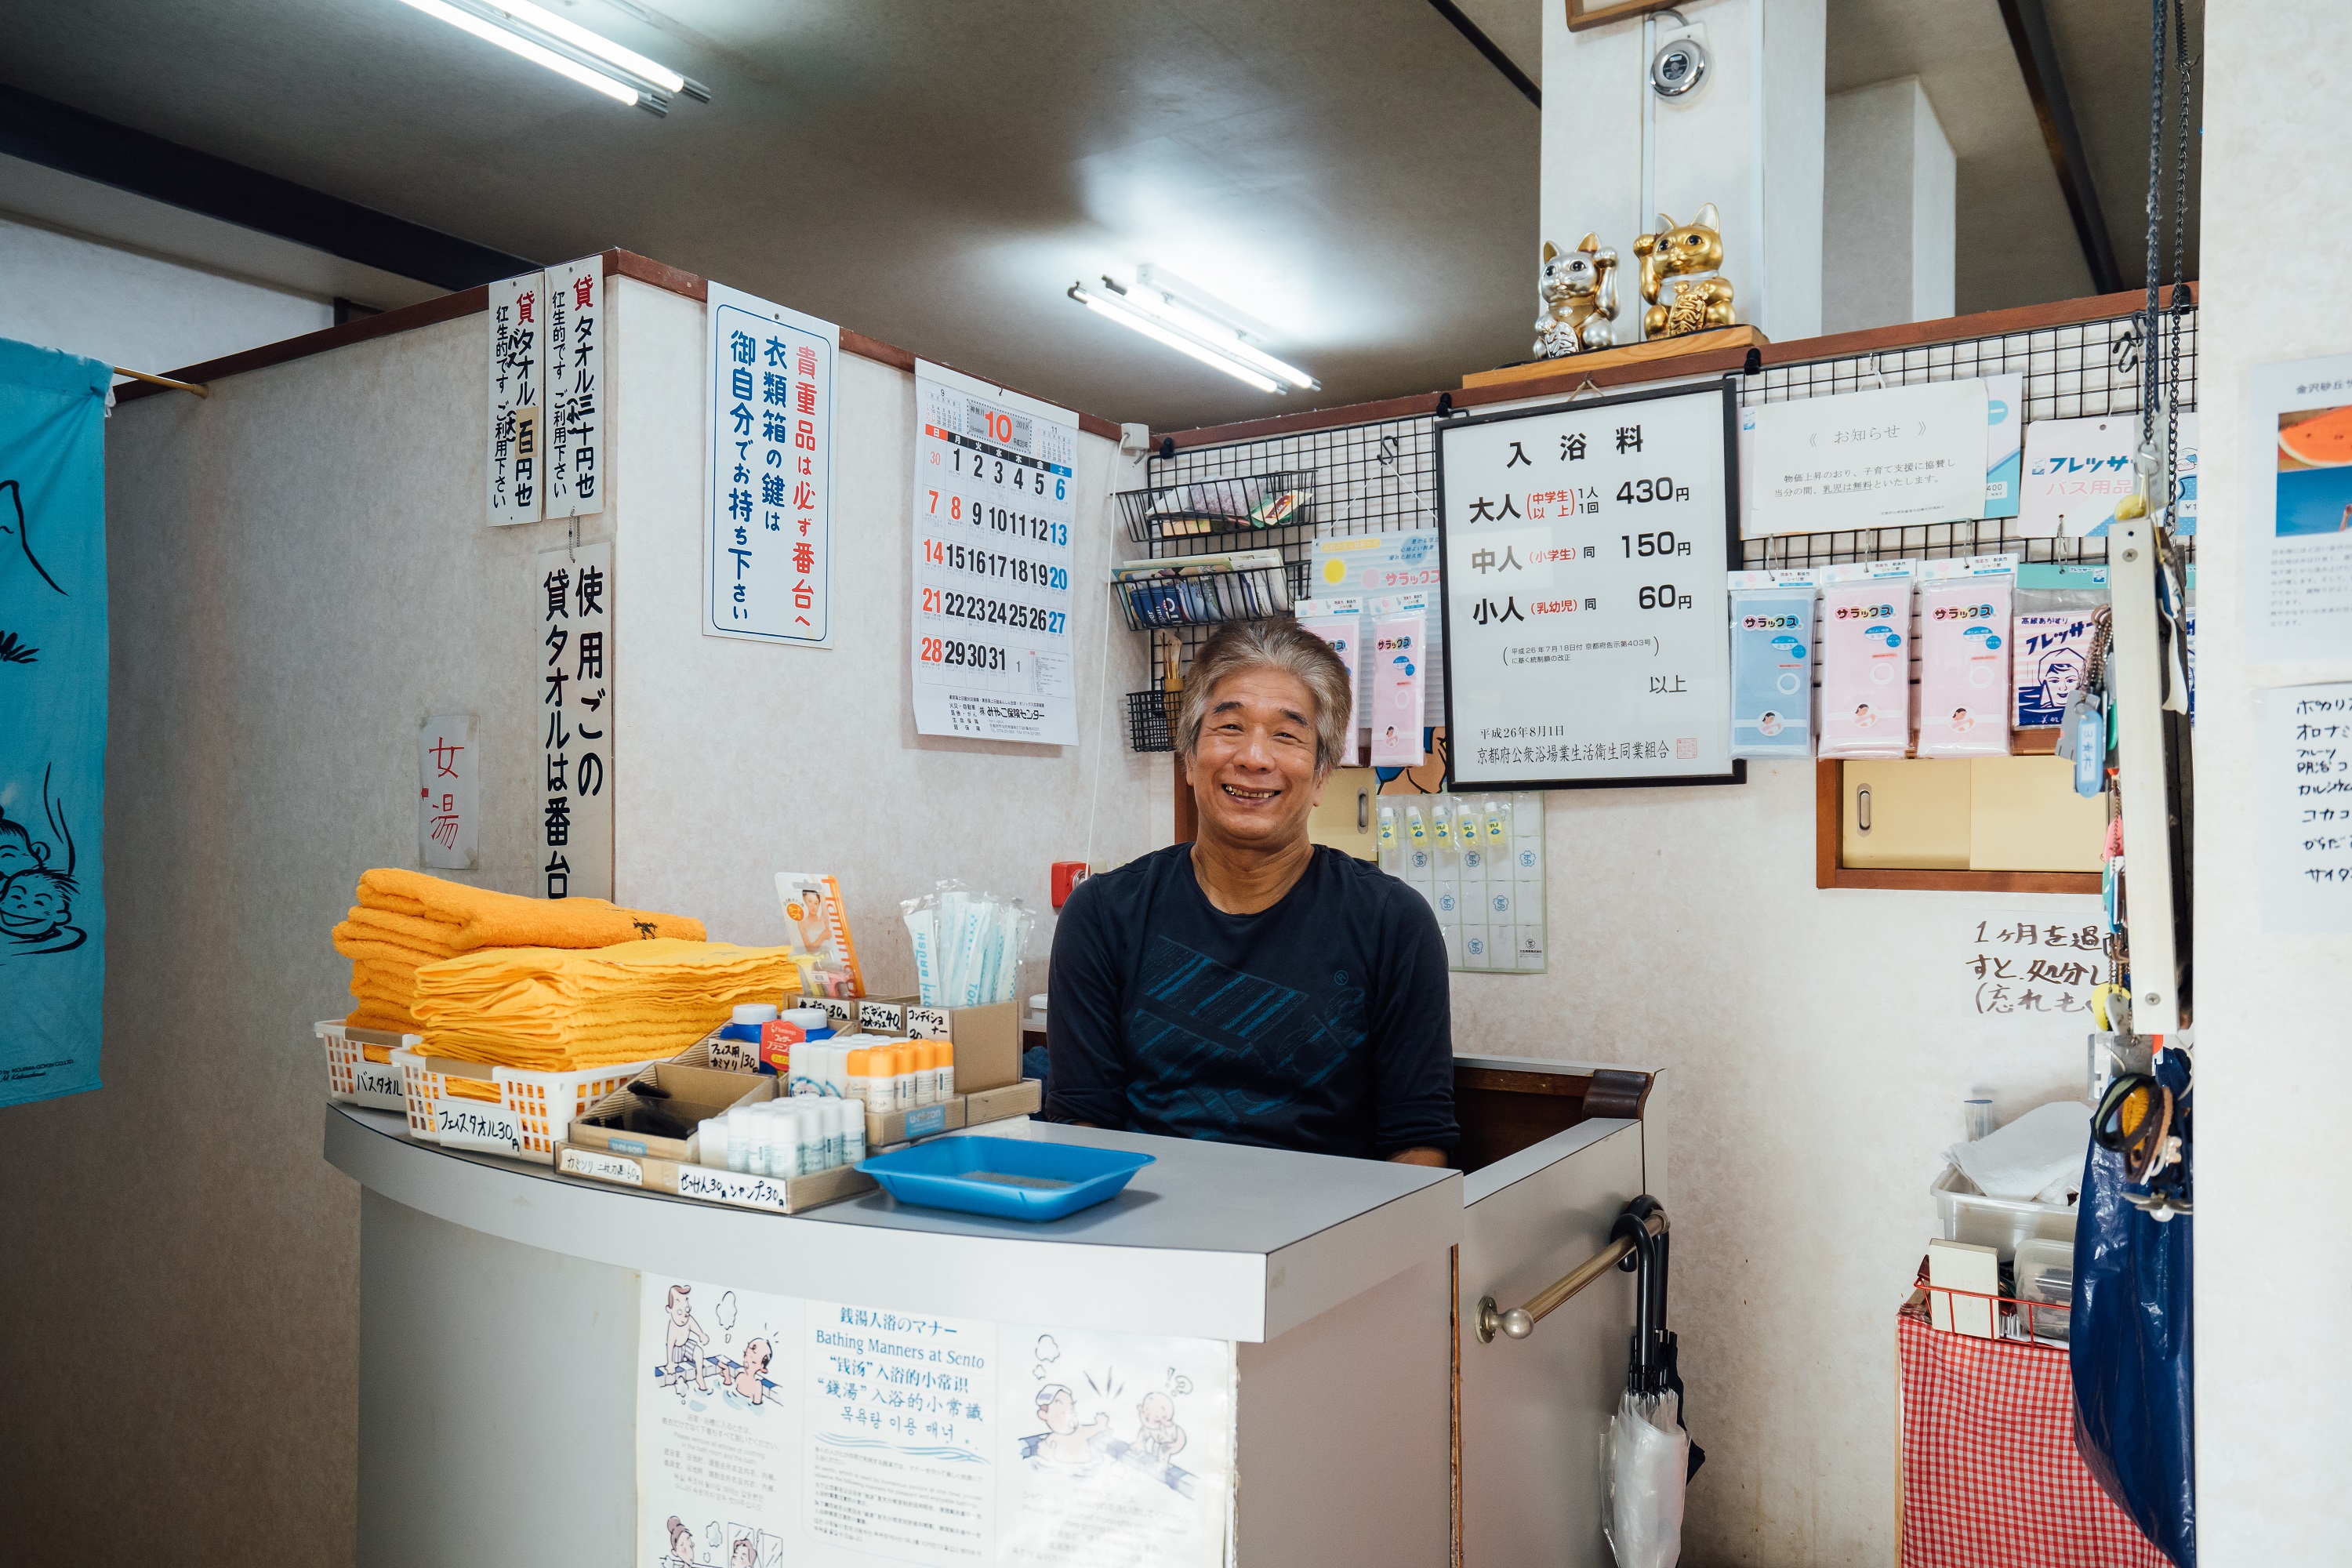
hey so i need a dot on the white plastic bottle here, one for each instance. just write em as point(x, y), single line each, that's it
point(837, 1115)
point(947, 1072)
point(853, 1142)
point(902, 1077)
point(756, 1143)
point(925, 1075)
point(710, 1141)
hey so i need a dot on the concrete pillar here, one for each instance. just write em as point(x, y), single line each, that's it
point(1748, 139)
point(1887, 233)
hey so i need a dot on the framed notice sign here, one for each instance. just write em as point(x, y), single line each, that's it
point(1585, 546)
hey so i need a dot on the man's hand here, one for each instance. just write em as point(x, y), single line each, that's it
point(1419, 1157)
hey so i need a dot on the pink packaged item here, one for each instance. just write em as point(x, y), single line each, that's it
point(1964, 667)
point(1864, 633)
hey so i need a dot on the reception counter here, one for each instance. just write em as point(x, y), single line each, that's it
point(1245, 1346)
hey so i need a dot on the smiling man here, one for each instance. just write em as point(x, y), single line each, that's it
point(1254, 986)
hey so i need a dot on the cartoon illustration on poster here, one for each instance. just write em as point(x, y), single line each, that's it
point(1121, 1448)
point(899, 1433)
point(715, 1425)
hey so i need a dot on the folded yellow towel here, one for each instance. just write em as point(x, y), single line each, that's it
point(480, 918)
point(559, 1010)
point(371, 1013)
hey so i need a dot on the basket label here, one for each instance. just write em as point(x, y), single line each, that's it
point(928, 1023)
point(604, 1167)
point(886, 1017)
point(735, 1055)
point(465, 1124)
point(930, 1119)
point(731, 1187)
point(838, 1010)
point(376, 1084)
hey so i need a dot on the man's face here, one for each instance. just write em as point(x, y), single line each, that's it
point(1058, 1414)
point(680, 1308)
point(31, 904)
point(1252, 772)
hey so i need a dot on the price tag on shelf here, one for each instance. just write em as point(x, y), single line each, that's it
point(1585, 546)
point(604, 1167)
point(995, 509)
point(472, 1124)
point(731, 1187)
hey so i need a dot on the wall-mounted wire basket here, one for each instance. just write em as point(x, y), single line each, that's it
point(1202, 509)
point(1151, 721)
point(1189, 597)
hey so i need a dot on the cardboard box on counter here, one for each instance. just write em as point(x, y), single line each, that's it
point(779, 1195)
point(987, 1041)
point(1024, 1096)
point(692, 1093)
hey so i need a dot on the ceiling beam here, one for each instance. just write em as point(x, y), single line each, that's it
point(1492, 51)
point(2037, 62)
point(41, 132)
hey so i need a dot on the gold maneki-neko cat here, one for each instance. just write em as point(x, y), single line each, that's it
point(1680, 282)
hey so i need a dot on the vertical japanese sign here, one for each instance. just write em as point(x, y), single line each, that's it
point(571, 594)
point(53, 668)
point(518, 392)
point(449, 792)
point(574, 421)
point(995, 511)
point(769, 547)
point(2298, 511)
point(1587, 548)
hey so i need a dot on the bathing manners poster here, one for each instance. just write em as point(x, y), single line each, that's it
point(52, 720)
point(779, 1433)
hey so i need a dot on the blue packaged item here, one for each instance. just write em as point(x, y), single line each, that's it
point(1771, 664)
point(1010, 1178)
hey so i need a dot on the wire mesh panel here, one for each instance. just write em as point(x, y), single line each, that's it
point(1381, 476)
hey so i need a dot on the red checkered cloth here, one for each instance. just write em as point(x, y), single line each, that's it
point(1990, 1478)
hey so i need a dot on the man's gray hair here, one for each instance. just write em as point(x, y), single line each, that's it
point(1240, 647)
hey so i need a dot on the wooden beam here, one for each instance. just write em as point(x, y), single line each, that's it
point(2045, 84)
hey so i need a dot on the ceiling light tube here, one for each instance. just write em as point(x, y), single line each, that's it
point(602, 47)
point(1217, 335)
point(568, 49)
point(1114, 308)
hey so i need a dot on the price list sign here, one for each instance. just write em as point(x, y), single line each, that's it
point(994, 505)
point(1585, 549)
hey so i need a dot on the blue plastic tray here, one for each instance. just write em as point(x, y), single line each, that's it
point(1010, 1178)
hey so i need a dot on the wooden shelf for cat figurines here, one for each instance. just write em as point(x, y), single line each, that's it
point(1568, 367)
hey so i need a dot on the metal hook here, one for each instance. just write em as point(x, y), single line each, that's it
point(1877, 376)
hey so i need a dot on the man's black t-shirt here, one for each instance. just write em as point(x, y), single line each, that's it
point(1321, 1023)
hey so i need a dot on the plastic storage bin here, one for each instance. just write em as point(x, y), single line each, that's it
point(2046, 1277)
point(1010, 1178)
point(355, 1079)
point(544, 1104)
point(1999, 1223)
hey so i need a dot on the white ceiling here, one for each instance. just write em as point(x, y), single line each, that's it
point(936, 174)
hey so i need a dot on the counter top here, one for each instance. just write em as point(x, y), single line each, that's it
point(1215, 1240)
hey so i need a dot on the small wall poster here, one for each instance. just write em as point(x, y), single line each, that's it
point(2303, 781)
point(769, 547)
point(572, 676)
point(449, 792)
point(517, 392)
point(717, 1374)
point(2077, 472)
point(2298, 512)
point(1868, 459)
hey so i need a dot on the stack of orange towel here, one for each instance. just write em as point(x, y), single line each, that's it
point(405, 919)
point(556, 1010)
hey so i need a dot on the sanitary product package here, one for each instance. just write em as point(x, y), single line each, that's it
point(1865, 634)
point(1964, 656)
point(2050, 637)
point(1771, 664)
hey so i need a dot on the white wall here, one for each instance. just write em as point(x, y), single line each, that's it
point(1747, 139)
point(181, 1303)
point(1820, 1043)
point(716, 792)
point(126, 308)
point(1888, 239)
point(2274, 1366)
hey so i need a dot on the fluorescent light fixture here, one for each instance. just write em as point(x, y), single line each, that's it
point(1113, 308)
point(1217, 335)
point(565, 48)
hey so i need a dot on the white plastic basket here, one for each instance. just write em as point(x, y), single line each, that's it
point(2000, 1223)
point(542, 1104)
point(351, 1076)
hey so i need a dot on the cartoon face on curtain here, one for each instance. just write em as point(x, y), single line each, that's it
point(53, 664)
